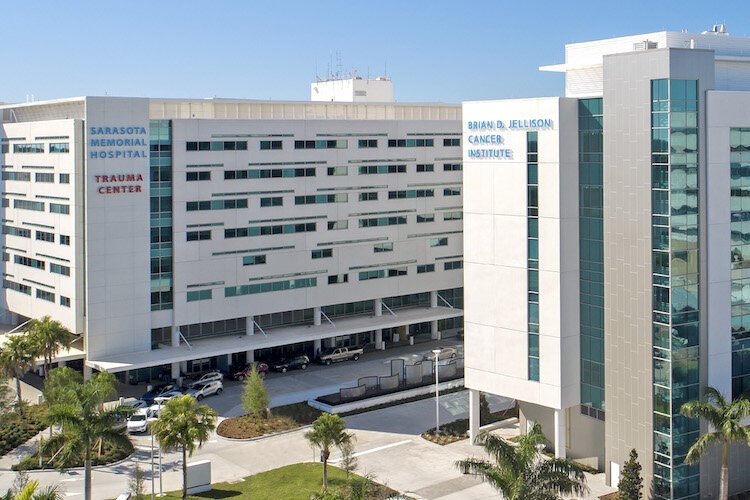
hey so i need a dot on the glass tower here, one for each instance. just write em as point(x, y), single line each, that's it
point(675, 268)
point(532, 172)
point(161, 214)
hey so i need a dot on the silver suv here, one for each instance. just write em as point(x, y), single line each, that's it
point(199, 390)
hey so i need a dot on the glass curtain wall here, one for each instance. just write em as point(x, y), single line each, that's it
point(160, 132)
point(532, 169)
point(674, 205)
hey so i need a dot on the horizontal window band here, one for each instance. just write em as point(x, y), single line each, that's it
point(383, 161)
point(275, 163)
point(350, 242)
point(212, 283)
point(425, 235)
point(253, 250)
point(353, 188)
point(409, 211)
point(252, 193)
point(226, 136)
point(290, 275)
point(370, 266)
point(354, 134)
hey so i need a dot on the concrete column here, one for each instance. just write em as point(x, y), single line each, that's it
point(316, 316)
point(433, 298)
point(250, 325)
point(316, 346)
point(474, 422)
point(560, 433)
point(175, 371)
point(175, 336)
point(229, 359)
point(250, 356)
point(379, 339)
point(378, 307)
point(86, 372)
point(434, 333)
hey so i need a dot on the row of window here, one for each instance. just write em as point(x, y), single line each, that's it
point(310, 144)
point(39, 264)
point(216, 146)
point(54, 147)
point(37, 206)
point(274, 173)
point(242, 232)
point(40, 294)
point(192, 206)
point(38, 177)
point(268, 173)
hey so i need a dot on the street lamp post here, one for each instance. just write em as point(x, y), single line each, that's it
point(436, 353)
point(153, 495)
point(161, 490)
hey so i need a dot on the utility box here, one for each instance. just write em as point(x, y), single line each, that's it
point(199, 477)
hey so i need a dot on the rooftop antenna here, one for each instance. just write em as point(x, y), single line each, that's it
point(339, 71)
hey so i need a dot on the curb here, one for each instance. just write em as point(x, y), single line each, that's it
point(93, 467)
point(247, 440)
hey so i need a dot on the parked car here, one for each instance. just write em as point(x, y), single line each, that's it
point(200, 390)
point(158, 390)
point(242, 374)
point(340, 354)
point(138, 422)
point(135, 404)
point(445, 353)
point(167, 395)
point(300, 362)
point(209, 377)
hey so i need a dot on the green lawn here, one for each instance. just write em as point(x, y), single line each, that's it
point(293, 482)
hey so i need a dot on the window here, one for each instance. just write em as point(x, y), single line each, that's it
point(382, 169)
point(269, 173)
point(451, 167)
point(64, 178)
point(17, 231)
point(383, 247)
point(411, 193)
point(382, 273)
point(439, 242)
point(64, 239)
point(321, 198)
point(44, 177)
point(322, 254)
point(452, 192)
point(338, 224)
point(275, 201)
point(64, 301)
point(253, 260)
point(410, 143)
point(338, 278)
point(16, 176)
point(29, 262)
point(216, 146)
point(369, 196)
point(452, 142)
point(59, 208)
point(453, 264)
point(425, 167)
point(332, 144)
point(243, 232)
point(28, 148)
point(59, 147)
point(274, 286)
point(426, 218)
point(268, 145)
point(193, 206)
point(45, 295)
point(25, 289)
point(453, 215)
point(204, 175)
point(426, 268)
point(45, 236)
point(367, 143)
point(199, 235)
point(4, 148)
point(59, 269)
point(199, 295)
point(382, 221)
point(338, 171)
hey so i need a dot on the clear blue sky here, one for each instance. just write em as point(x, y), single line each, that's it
point(434, 50)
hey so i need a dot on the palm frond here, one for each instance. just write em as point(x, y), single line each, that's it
point(704, 410)
point(702, 445)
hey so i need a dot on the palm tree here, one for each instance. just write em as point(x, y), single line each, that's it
point(79, 411)
point(521, 472)
point(30, 492)
point(181, 423)
point(328, 430)
point(50, 336)
point(17, 357)
point(726, 421)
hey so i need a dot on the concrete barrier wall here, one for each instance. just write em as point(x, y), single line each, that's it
point(413, 373)
point(391, 382)
point(352, 392)
point(397, 368)
point(368, 381)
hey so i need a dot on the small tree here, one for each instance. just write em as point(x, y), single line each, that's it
point(328, 431)
point(255, 398)
point(348, 461)
point(137, 482)
point(17, 357)
point(182, 424)
point(631, 481)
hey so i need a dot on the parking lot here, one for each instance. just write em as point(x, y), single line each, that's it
point(317, 380)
